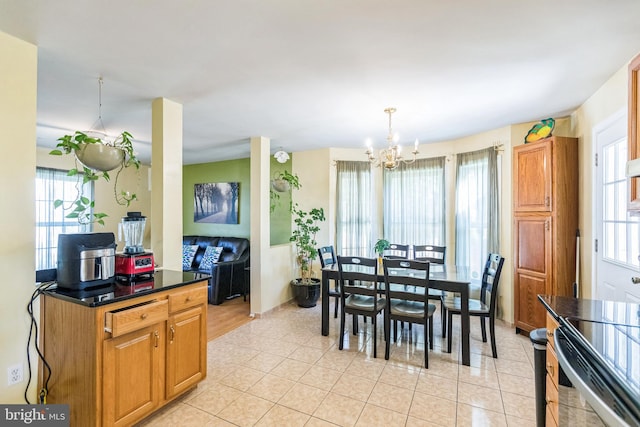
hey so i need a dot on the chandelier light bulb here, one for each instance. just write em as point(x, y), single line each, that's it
point(390, 157)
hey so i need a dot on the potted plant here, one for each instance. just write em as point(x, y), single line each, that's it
point(94, 159)
point(306, 288)
point(379, 248)
point(283, 181)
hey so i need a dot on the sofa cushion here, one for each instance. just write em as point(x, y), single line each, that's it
point(233, 248)
point(188, 253)
point(210, 257)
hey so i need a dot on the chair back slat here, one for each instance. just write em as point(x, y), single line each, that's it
point(406, 279)
point(358, 275)
point(431, 253)
point(327, 256)
point(491, 280)
point(395, 251)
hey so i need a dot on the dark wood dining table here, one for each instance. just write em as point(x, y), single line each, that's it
point(445, 278)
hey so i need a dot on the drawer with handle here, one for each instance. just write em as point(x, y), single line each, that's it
point(120, 322)
point(187, 298)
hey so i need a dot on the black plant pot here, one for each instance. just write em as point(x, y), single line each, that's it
point(306, 295)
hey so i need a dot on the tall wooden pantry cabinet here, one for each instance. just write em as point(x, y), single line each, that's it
point(545, 209)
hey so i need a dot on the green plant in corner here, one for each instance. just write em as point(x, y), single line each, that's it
point(304, 238)
point(109, 155)
point(282, 182)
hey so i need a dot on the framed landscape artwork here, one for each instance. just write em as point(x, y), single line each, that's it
point(216, 202)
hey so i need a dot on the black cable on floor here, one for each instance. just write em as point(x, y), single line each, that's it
point(33, 332)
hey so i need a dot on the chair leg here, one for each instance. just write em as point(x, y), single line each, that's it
point(426, 350)
point(449, 332)
point(430, 333)
point(375, 335)
point(395, 330)
point(355, 324)
point(492, 330)
point(443, 317)
point(335, 310)
point(387, 335)
point(342, 320)
point(483, 328)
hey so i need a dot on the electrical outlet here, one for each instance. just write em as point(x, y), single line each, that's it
point(14, 374)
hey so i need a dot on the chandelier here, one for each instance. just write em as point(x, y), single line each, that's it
point(390, 157)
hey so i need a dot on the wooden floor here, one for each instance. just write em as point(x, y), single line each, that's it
point(227, 316)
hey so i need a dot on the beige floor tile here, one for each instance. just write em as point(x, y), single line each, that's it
point(519, 406)
point(469, 416)
point(479, 376)
point(391, 397)
point(271, 387)
point(340, 410)
point(306, 354)
point(246, 410)
point(480, 397)
point(281, 416)
point(417, 422)
point(375, 416)
point(369, 368)
point(183, 415)
point(353, 386)
point(514, 367)
point(242, 379)
point(433, 409)
point(320, 377)
point(264, 362)
point(520, 422)
point(317, 422)
point(437, 386)
point(291, 369)
point(400, 375)
point(517, 385)
point(303, 398)
point(336, 359)
point(215, 399)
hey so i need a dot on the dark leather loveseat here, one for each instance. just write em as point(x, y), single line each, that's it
point(229, 276)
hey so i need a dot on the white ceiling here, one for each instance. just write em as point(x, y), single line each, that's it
point(317, 73)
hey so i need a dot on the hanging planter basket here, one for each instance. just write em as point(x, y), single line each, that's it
point(100, 157)
point(280, 185)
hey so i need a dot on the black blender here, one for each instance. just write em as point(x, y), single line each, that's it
point(134, 263)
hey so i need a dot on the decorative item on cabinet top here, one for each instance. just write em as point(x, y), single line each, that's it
point(540, 130)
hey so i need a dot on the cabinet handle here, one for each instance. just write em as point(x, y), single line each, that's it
point(635, 280)
point(548, 400)
point(550, 368)
point(173, 332)
point(547, 201)
point(549, 334)
point(144, 316)
point(157, 335)
point(188, 299)
point(546, 225)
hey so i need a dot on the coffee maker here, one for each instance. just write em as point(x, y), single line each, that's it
point(134, 263)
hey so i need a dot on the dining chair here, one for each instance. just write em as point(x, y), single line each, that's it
point(359, 293)
point(431, 253)
point(485, 307)
point(407, 298)
point(327, 259)
point(395, 251)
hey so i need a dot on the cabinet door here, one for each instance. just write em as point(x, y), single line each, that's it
point(186, 350)
point(132, 385)
point(532, 269)
point(633, 141)
point(532, 173)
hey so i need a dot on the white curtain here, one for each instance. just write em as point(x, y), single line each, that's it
point(355, 210)
point(53, 184)
point(414, 203)
point(477, 208)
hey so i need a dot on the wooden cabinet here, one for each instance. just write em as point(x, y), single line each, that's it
point(553, 372)
point(545, 206)
point(115, 364)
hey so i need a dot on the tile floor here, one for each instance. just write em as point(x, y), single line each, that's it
point(280, 371)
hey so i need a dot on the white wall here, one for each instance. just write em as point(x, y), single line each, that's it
point(18, 73)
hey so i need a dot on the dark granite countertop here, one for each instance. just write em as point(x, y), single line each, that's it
point(620, 313)
point(119, 291)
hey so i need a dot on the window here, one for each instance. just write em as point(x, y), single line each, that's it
point(477, 209)
point(414, 209)
point(53, 184)
point(355, 211)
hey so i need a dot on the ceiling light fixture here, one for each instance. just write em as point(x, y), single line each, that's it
point(281, 156)
point(390, 157)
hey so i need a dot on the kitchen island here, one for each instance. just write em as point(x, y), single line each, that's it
point(119, 352)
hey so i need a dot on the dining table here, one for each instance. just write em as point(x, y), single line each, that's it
point(450, 279)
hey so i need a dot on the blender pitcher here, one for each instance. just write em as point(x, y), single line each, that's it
point(132, 226)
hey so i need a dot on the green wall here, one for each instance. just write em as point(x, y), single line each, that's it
point(232, 171)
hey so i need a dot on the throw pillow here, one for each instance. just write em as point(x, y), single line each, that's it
point(210, 257)
point(188, 253)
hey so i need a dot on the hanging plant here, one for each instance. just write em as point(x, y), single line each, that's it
point(283, 182)
point(94, 159)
